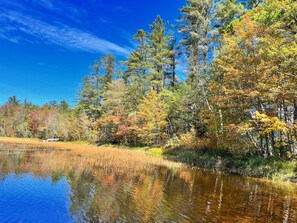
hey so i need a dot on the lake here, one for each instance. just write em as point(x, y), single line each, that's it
point(39, 184)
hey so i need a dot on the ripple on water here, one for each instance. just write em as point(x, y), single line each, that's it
point(71, 194)
point(26, 198)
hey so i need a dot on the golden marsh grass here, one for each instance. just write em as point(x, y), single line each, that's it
point(86, 157)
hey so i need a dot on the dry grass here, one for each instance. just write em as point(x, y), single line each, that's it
point(86, 157)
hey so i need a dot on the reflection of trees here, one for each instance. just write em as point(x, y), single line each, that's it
point(83, 188)
point(111, 194)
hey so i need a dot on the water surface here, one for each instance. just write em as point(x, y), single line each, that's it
point(48, 185)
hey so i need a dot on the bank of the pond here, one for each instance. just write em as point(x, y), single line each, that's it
point(219, 160)
point(81, 145)
point(103, 156)
point(216, 160)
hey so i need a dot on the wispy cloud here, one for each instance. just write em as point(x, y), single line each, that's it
point(35, 29)
point(41, 8)
point(46, 3)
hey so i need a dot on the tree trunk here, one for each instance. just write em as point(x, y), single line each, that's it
point(295, 112)
point(273, 143)
point(261, 147)
point(267, 147)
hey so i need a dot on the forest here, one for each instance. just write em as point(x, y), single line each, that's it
point(224, 77)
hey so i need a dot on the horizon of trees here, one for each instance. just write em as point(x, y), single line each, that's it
point(240, 92)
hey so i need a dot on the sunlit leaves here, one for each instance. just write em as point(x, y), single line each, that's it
point(152, 114)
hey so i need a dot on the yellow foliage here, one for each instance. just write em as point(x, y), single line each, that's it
point(152, 114)
point(191, 141)
point(268, 124)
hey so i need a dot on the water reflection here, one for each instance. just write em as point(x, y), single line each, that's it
point(81, 188)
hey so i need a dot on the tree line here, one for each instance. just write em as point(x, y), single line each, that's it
point(239, 93)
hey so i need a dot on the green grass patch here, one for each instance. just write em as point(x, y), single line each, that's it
point(152, 151)
point(274, 168)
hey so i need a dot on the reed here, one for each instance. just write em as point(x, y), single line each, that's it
point(84, 157)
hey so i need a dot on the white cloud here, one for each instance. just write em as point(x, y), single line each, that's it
point(61, 35)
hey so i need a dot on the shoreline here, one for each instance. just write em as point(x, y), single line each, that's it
point(119, 155)
point(271, 169)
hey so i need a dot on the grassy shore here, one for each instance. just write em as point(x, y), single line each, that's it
point(270, 168)
point(273, 168)
point(106, 157)
point(80, 145)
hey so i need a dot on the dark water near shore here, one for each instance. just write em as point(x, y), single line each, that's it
point(35, 188)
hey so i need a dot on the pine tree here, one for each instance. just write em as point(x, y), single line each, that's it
point(89, 97)
point(160, 54)
point(108, 66)
point(198, 31)
point(94, 86)
point(197, 28)
point(136, 74)
point(226, 12)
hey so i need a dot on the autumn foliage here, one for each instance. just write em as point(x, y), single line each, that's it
point(238, 90)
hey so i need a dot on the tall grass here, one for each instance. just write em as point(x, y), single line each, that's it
point(88, 157)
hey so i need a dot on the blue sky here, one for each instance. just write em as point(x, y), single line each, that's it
point(46, 46)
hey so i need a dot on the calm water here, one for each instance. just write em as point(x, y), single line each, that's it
point(35, 188)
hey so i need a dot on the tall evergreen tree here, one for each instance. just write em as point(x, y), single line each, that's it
point(198, 31)
point(160, 54)
point(136, 74)
point(108, 66)
point(170, 72)
point(226, 12)
point(94, 86)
